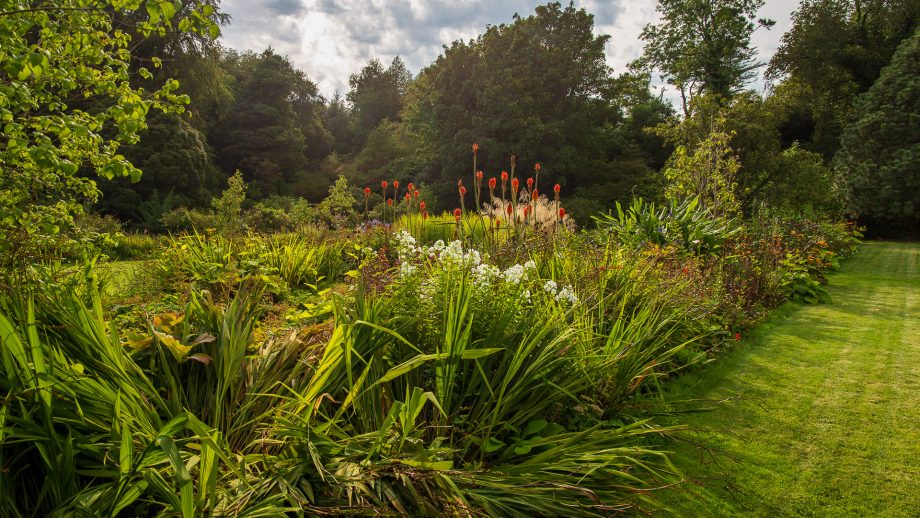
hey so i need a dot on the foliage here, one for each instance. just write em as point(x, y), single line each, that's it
point(55, 58)
point(376, 94)
point(834, 51)
point(338, 209)
point(273, 126)
point(538, 88)
point(686, 225)
point(177, 164)
point(880, 154)
point(707, 172)
point(703, 46)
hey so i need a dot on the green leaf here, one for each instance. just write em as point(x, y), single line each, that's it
point(492, 445)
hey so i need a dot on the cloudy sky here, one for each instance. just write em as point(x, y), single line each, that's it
point(331, 39)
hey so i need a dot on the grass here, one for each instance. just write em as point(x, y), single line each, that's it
point(815, 412)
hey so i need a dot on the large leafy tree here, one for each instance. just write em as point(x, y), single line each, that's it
point(66, 102)
point(834, 52)
point(880, 153)
point(704, 46)
point(376, 94)
point(538, 88)
point(274, 126)
point(176, 162)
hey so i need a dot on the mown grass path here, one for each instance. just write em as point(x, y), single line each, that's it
point(820, 412)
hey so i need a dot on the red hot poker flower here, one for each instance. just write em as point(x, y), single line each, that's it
point(479, 175)
point(509, 208)
point(561, 213)
point(390, 201)
point(530, 183)
point(457, 214)
point(462, 191)
point(367, 192)
point(411, 186)
point(557, 188)
point(421, 205)
point(383, 184)
point(536, 167)
point(396, 184)
point(534, 195)
point(415, 193)
point(515, 184)
point(475, 148)
point(492, 183)
point(737, 336)
point(504, 176)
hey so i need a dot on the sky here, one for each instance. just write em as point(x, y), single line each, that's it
point(332, 39)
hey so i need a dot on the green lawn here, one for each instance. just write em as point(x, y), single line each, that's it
point(817, 412)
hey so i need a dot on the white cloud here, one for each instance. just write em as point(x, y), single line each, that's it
point(331, 39)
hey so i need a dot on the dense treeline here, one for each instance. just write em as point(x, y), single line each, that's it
point(538, 88)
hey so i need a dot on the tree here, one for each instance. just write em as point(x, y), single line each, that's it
point(880, 151)
point(337, 121)
point(376, 94)
point(66, 102)
point(703, 46)
point(834, 52)
point(273, 126)
point(175, 159)
point(706, 172)
point(538, 88)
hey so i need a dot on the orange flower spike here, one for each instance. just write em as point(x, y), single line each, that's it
point(534, 195)
point(462, 191)
point(457, 214)
point(411, 187)
point(475, 148)
point(509, 209)
point(492, 183)
point(415, 193)
point(396, 184)
point(367, 192)
point(561, 213)
point(479, 175)
point(536, 167)
point(504, 176)
point(390, 202)
point(529, 184)
point(556, 189)
point(383, 184)
point(421, 205)
point(515, 185)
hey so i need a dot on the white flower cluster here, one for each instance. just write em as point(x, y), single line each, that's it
point(564, 294)
point(405, 245)
point(453, 253)
point(517, 273)
point(483, 274)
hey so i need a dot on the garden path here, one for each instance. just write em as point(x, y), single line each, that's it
point(817, 411)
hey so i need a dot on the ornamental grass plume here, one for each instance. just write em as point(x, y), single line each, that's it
point(542, 214)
